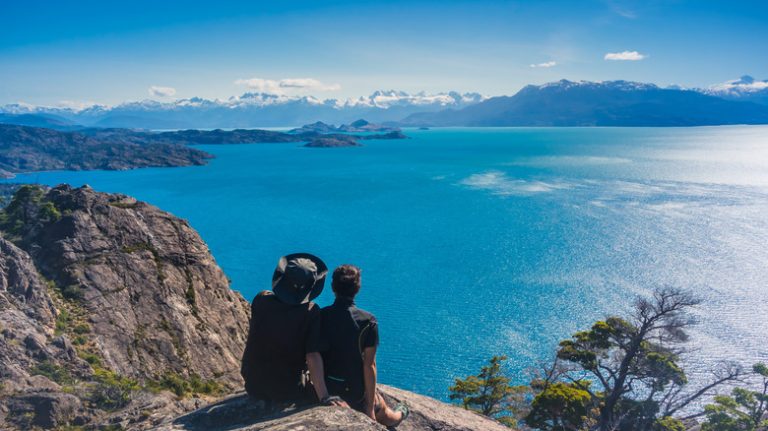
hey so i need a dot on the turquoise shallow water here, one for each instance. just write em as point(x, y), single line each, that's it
point(477, 242)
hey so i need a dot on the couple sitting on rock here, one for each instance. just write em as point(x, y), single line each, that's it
point(299, 353)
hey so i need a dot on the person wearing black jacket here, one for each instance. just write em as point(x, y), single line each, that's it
point(351, 337)
point(284, 337)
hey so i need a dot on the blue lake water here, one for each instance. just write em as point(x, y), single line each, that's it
point(476, 242)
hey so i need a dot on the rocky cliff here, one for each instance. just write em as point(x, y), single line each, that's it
point(114, 315)
point(105, 303)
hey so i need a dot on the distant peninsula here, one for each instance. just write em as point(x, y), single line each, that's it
point(31, 149)
point(359, 126)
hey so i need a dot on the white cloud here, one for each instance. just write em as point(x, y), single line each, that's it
point(544, 65)
point(281, 86)
point(260, 85)
point(625, 56)
point(308, 83)
point(157, 91)
point(75, 105)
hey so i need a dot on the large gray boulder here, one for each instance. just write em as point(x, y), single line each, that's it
point(239, 413)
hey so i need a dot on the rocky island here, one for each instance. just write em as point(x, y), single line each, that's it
point(114, 315)
point(27, 149)
point(30, 149)
point(359, 126)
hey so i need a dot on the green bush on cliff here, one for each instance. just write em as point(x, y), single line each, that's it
point(182, 386)
point(26, 207)
point(111, 391)
point(63, 321)
point(49, 212)
point(73, 292)
point(52, 371)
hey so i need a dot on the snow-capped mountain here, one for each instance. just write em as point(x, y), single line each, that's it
point(745, 88)
point(609, 103)
point(253, 110)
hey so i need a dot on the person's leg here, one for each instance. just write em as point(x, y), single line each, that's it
point(385, 415)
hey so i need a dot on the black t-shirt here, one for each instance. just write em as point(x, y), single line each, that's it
point(347, 332)
point(279, 338)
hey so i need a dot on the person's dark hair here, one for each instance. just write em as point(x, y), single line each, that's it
point(346, 280)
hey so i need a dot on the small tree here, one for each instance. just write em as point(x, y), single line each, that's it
point(560, 406)
point(633, 365)
point(743, 410)
point(490, 393)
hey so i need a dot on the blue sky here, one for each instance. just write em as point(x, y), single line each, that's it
point(54, 52)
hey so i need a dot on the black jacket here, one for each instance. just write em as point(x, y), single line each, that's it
point(279, 338)
point(347, 332)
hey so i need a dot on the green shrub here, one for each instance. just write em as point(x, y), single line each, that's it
point(182, 386)
point(52, 371)
point(111, 391)
point(27, 207)
point(49, 213)
point(63, 321)
point(669, 424)
point(73, 292)
point(90, 357)
point(82, 328)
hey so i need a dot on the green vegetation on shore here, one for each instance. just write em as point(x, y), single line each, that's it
point(622, 374)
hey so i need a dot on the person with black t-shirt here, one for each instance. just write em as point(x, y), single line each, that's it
point(284, 337)
point(351, 337)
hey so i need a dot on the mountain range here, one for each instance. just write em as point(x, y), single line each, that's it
point(249, 110)
point(610, 103)
point(561, 103)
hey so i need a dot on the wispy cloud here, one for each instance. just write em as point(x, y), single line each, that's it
point(625, 56)
point(547, 64)
point(157, 91)
point(620, 9)
point(75, 105)
point(281, 86)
